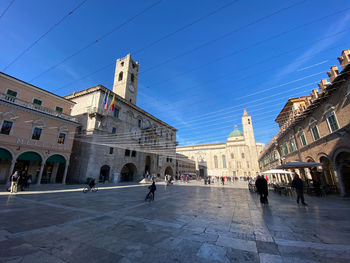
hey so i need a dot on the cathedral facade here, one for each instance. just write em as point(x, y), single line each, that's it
point(237, 157)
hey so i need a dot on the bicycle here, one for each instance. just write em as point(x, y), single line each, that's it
point(87, 188)
point(149, 197)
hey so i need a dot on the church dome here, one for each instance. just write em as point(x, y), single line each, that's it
point(236, 133)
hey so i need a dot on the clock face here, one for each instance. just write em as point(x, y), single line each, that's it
point(131, 88)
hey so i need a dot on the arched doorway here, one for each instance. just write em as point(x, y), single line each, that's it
point(147, 165)
point(29, 162)
point(329, 172)
point(168, 171)
point(128, 172)
point(5, 165)
point(104, 173)
point(53, 169)
point(342, 162)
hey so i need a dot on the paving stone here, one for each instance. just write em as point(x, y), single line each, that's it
point(267, 247)
point(235, 255)
point(235, 243)
point(270, 258)
point(212, 253)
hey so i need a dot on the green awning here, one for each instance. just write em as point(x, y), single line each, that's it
point(56, 159)
point(5, 154)
point(29, 156)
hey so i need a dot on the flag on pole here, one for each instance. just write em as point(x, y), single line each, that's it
point(113, 103)
point(105, 100)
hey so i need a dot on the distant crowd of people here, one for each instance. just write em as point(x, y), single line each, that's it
point(19, 180)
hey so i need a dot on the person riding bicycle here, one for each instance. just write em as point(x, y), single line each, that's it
point(91, 182)
point(152, 188)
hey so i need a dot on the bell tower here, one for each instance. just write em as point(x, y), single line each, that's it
point(248, 131)
point(126, 78)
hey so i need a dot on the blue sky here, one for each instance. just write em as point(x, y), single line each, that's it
point(214, 58)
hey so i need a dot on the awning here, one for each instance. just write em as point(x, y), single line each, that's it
point(56, 159)
point(292, 165)
point(277, 171)
point(5, 154)
point(29, 156)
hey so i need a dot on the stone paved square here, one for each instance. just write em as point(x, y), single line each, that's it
point(185, 223)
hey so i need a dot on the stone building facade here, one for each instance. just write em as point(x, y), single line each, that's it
point(238, 157)
point(320, 132)
point(121, 144)
point(36, 133)
point(185, 166)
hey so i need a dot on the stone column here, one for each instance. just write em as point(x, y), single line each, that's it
point(40, 173)
point(65, 174)
point(340, 180)
point(54, 173)
point(13, 162)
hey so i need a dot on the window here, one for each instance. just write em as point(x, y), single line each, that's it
point(122, 63)
point(120, 77)
point(302, 137)
point(332, 122)
point(6, 127)
point(11, 95)
point(132, 77)
point(238, 164)
point(127, 152)
point(234, 173)
point(286, 151)
point(242, 154)
point(59, 109)
point(36, 133)
point(61, 138)
point(216, 161)
point(248, 165)
point(111, 150)
point(161, 133)
point(292, 145)
point(223, 161)
point(248, 121)
point(139, 122)
point(37, 102)
point(133, 65)
point(232, 156)
point(314, 131)
point(116, 113)
point(133, 154)
point(114, 130)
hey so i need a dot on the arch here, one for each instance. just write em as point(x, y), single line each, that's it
point(30, 162)
point(5, 154)
point(104, 173)
point(148, 165)
point(6, 158)
point(30, 156)
point(342, 163)
point(128, 172)
point(168, 171)
point(337, 151)
point(120, 76)
point(309, 159)
point(328, 169)
point(54, 169)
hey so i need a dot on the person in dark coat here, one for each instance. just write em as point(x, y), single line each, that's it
point(298, 184)
point(152, 188)
point(261, 187)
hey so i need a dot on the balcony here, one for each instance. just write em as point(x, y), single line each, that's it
point(29, 105)
point(95, 111)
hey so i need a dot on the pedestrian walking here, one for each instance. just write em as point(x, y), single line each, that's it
point(223, 180)
point(261, 187)
point(152, 188)
point(298, 184)
point(14, 181)
point(29, 180)
point(22, 180)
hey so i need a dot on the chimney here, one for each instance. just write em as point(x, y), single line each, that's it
point(323, 85)
point(314, 94)
point(333, 73)
point(344, 59)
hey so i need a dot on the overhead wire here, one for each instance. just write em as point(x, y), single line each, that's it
point(139, 50)
point(7, 8)
point(194, 49)
point(127, 21)
point(44, 34)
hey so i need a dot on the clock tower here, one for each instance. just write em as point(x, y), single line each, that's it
point(126, 78)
